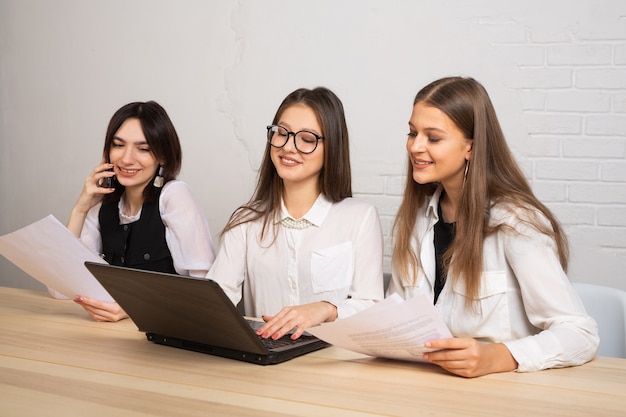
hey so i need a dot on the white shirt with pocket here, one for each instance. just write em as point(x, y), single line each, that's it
point(526, 300)
point(338, 259)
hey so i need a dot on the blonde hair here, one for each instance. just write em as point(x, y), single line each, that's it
point(493, 177)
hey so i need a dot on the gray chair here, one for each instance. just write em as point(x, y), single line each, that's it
point(608, 307)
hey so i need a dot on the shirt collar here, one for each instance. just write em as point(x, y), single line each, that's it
point(124, 218)
point(431, 210)
point(316, 214)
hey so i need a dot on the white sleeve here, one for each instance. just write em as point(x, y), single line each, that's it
point(367, 282)
point(569, 335)
point(186, 230)
point(229, 268)
point(90, 233)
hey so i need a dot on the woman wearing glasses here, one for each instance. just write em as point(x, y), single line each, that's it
point(302, 249)
point(471, 235)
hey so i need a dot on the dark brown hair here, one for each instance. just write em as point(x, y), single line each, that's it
point(335, 180)
point(160, 135)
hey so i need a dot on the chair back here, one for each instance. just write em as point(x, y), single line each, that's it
point(608, 307)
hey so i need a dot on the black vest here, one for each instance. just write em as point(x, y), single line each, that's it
point(140, 244)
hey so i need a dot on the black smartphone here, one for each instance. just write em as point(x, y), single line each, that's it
point(108, 182)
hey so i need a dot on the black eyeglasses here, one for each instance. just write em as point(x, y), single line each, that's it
point(305, 141)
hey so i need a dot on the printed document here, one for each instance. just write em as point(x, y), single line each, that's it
point(393, 328)
point(47, 251)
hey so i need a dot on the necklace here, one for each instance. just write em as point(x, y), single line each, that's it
point(295, 224)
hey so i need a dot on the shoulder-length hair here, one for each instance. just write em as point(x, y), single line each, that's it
point(335, 180)
point(161, 137)
point(493, 177)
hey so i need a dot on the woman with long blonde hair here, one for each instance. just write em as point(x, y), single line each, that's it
point(471, 234)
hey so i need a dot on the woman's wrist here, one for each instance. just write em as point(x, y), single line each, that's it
point(504, 360)
point(332, 311)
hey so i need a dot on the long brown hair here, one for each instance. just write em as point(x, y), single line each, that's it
point(493, 177)
point(161, 137)
point(335, 180)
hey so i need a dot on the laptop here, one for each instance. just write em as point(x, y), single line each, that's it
point(194, 314)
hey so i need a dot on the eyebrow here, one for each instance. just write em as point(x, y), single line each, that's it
point(286, 125)
point(145, 142)
point(429, 129)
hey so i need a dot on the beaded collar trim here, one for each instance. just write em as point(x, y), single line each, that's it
point(295, 224)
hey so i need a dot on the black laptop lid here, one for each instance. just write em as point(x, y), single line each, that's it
point(177, 306)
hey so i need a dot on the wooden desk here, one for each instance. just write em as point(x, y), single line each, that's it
point(55, 361)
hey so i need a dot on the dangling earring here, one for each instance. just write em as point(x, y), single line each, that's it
point(158, 180)
point(465, 173)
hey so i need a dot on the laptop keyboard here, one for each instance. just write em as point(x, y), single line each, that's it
point(279, 343)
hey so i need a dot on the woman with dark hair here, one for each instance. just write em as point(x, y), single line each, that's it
point(133, 211)
point(471, 235)
point(302, 250)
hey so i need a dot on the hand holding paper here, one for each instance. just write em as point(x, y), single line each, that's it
point(50, 253)
point(393, 328)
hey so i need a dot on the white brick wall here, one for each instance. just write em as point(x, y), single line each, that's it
point(556, 71)
point(572, 89)
point(574, 103)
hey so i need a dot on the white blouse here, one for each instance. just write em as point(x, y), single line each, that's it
point(186, 229)
point(337, 259)
point(525, 300)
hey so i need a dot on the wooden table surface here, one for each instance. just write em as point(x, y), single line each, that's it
point(55, 361)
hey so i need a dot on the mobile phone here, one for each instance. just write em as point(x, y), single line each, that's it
point(108, 182)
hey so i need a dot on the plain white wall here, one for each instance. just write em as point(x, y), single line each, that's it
point(556, 72)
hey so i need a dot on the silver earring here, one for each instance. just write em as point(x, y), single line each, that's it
point(465, 173)
point(158, 180)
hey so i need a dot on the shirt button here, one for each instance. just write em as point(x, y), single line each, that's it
point(146, 256)
point(126, 228)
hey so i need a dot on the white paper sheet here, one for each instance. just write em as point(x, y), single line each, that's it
point(393, 328)
point(47, 251)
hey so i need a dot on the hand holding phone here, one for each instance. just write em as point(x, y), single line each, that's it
point(107, 182)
